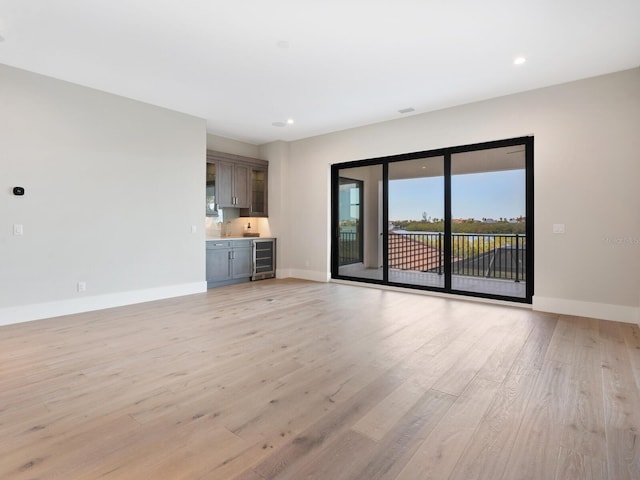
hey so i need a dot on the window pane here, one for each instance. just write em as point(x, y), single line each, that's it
point(416, 222)
point(488, 207)
point(360, 222)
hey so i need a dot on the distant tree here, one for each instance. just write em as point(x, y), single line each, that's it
point(468, 225)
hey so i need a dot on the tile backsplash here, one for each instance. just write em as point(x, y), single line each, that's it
point(230, 224)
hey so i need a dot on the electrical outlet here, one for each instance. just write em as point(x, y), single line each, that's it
point(18, 229)
point(82, 286)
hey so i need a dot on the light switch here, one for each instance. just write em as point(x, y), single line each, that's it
point(194, 229)
point(558, 228)
point(18, 229)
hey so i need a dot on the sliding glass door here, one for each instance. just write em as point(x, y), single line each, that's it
point(488, 231)
point(358, 213)
point(456, 220)
point(415, 236)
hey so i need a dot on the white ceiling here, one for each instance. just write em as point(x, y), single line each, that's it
point(343, 63)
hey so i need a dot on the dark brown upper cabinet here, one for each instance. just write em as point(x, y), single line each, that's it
point(258, 194)
point(241, 182)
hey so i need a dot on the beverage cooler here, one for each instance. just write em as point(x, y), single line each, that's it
point(264, 258)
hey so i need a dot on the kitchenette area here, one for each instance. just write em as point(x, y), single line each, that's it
point(239, 245)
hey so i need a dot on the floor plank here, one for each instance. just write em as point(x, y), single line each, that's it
point(288, 379)
point(621, 406)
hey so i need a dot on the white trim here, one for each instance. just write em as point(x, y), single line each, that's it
point(283, 273)
point(38, 311)
point(312, 275)
point(602, 311)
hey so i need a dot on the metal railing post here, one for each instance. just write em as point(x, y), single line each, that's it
point(517, 259)
point(440, 254)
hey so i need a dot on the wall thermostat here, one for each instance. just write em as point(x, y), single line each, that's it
point(18, 191)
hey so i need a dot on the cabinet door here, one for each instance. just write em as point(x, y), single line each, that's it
point(224, 183)
point(242, 186)
point(211, 208)
point(218, 264)
point(258, 204)
point(242, 262)
point(259, 192)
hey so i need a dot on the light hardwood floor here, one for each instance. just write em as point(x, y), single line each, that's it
point(284, 379)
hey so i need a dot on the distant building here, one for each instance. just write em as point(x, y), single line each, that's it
point(408, 253)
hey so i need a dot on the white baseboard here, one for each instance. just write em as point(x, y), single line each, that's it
point(283, 273)
point(312, 275)
point(602, 311)
point(38, 311)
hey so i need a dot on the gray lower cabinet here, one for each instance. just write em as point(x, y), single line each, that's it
point(242, 259)
point(218, 265)
point(229, 261)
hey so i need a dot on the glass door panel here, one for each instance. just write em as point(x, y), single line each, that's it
point(415, 253)
point(211, 205)
point(488, 221)
point(359, 222)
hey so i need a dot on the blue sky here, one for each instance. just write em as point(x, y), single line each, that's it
point(477, 195)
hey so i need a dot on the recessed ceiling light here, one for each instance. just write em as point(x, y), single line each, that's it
point(279, 124)
point(519, 60)
point(290, 121)
point(407, 110)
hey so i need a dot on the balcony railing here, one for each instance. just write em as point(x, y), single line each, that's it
point(499, 256)
point(489, 255)
point(349, 250)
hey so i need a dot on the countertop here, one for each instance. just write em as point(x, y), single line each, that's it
point(237, 238)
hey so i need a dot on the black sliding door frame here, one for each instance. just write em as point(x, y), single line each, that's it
point(447, 221)
point(446, 153)
point(385, 222)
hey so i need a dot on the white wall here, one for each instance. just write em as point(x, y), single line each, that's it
point(113, 187)
point(587, 172)
point(228, 145)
